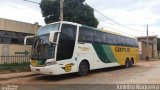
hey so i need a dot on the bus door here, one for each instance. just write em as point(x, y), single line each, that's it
point(65, 51)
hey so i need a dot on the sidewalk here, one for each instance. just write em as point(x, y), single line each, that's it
point(15, 75)
point(151, 59)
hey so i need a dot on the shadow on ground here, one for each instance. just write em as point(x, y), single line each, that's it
point(75, 75)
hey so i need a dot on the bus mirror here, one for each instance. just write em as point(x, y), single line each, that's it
point(53, 36)
point(27, 37)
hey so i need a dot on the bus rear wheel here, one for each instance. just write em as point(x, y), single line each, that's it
point(83, 68)
point(131, 62)
point(127, 64)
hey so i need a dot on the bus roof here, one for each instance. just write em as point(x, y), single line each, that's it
point(106, 31)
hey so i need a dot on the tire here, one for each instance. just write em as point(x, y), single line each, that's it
point(131, 62)
point(83, 68)
point(127, 64)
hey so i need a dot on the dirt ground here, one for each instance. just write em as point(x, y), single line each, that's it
point(147, 72)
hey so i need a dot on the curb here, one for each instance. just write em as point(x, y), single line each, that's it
point(20, 76)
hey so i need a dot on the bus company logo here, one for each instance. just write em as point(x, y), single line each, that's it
point(120, 49)
point(84, 48)
point(68, 67)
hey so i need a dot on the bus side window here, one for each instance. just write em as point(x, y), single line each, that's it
point(85, 35)
point(99, 37)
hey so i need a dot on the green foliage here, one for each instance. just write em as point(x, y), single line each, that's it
point(15, 67)
point(74, 11)
point(158, 44)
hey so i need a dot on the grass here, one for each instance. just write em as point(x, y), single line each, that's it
point(14, 67)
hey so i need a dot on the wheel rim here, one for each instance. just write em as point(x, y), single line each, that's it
point(83, 68)
point(132, 62)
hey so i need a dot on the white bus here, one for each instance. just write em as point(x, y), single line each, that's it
point(66, 47)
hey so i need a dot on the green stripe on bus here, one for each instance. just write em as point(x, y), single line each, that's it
point(109, 53)
point(104, 53)
point(101, 53)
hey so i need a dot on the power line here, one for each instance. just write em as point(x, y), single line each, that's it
point(113, 20)
point(100, 20)
point(31, 1)
point(134, 25)
point(114, 25)
point(118, 30)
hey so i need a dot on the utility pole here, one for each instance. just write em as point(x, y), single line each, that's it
point(147, 36)
point(61, 10)
point(147, 57)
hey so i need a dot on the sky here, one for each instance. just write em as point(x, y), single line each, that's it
point(132, 16)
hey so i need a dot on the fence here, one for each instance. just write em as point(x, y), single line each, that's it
point(9, 59)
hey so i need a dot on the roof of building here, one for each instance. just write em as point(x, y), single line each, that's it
point(153, 36)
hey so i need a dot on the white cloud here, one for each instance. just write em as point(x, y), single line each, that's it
point(131, 13)
point(134, 14)
point(21, 11)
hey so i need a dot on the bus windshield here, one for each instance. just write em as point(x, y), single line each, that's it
point(48, 29)
point(42, 49)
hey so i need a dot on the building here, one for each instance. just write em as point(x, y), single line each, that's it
point(12, 35)
point(149, 51)
point(158, 47)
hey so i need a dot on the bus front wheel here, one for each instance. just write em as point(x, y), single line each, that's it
point(83, 68)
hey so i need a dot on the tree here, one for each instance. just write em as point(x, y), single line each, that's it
point(74, 11)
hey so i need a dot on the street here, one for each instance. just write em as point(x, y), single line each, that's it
point(147, 72)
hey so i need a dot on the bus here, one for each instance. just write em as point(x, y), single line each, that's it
point(66, 47)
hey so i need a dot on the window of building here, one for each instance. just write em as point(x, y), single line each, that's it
point(6, 40)
point(14, 40)
point(8, 37)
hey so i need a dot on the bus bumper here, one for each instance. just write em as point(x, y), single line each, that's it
point(47, 70)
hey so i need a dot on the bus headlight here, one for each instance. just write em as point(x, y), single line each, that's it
point(50, 63)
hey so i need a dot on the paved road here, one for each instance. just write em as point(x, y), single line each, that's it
point(142, 73)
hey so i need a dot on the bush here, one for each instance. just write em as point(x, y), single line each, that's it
point(15, 67)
